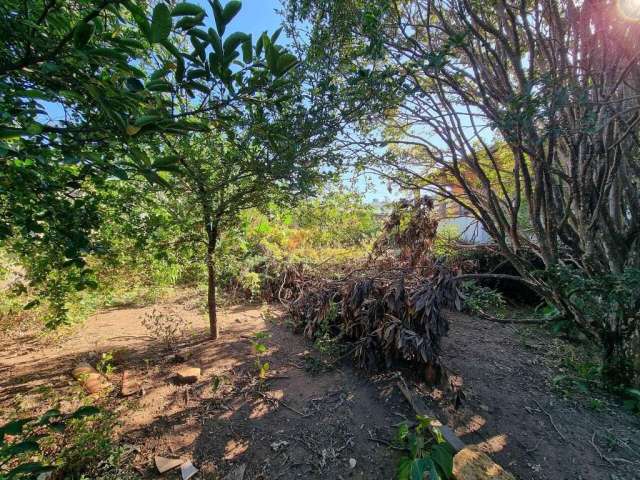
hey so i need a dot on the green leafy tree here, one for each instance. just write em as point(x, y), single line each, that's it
point(83, 87)
point(547, 83)
point(224, 173)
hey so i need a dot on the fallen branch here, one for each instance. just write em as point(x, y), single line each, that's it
point(602, 456)
point(387, 444)
point(281, 402)
point(490, 318)
point(551, 420)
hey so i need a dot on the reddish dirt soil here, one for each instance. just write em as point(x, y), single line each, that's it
point(297, 424)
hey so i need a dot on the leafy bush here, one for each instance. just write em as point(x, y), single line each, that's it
point(483, 300)
point(606, 307)
point(427, 453)
point(28, 447)
point(167, 326)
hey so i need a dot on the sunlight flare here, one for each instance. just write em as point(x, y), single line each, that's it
point(630, 9)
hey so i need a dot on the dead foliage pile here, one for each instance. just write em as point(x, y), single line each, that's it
point(391, 306)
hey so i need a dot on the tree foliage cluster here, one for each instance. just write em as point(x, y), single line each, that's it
point(95, 95)
point(531, 108)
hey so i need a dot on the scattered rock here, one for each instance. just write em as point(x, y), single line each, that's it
point(130, 385)
point(237, 473)
point(165, 464)
point(188, 374)
point(90, 379)
point(352, 463)
point(187, 470)
point(279, 445)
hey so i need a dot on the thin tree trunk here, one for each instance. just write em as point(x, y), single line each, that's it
point(621, 358)
point(212, 238)
point(211, 294)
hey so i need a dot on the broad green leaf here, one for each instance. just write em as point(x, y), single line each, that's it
point(260, 43)
point(139, 17)
point(172, 49)
point(187, 23)
point(198, 86)
point(232, 42)
point(215, 61)
point(214, 40)
point(83, 33)
point(230, 57)
point(247, 50)
point(159, 86)
point(276, 34)
point(218, 15)
point(186, 8)
point(284, 63)
point(201, 34)
point(231, 9)
point(34, 128)
point(160, 23)
point(403, 470)
point(180, 67)
point(158, 74)
point(442, 455)
point(108, 53)
point(197, 73)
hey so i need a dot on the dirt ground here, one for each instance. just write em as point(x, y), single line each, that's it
point(300, 423)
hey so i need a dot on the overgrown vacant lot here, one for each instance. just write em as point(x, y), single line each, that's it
point(309, 416)
point(377, 239)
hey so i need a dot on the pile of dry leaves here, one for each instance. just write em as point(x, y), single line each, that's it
point(390, 307)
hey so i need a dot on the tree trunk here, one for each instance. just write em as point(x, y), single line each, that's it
point(212, 237)
point(621, 359)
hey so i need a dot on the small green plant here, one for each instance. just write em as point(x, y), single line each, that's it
point(632, 400)
point(260, 349)
point(483, 300)
point(167, 326)
point(105, 364)
point(580, 372)
point(315, 365)
point(216, 383)
point(22, 441)
point(596, 404)
point(428, 452)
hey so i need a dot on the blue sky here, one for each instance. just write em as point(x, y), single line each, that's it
point(255, 17)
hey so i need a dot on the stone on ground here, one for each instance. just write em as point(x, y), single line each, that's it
point(90, 379)
point(165, 464)
point(187, 470)
point(188, 374)
point(130, 385)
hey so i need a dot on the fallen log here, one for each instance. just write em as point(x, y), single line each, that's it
point(90, 379)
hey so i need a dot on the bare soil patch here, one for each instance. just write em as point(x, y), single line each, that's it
point(297, 424)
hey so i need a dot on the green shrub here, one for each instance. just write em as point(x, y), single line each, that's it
point(54, 442)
